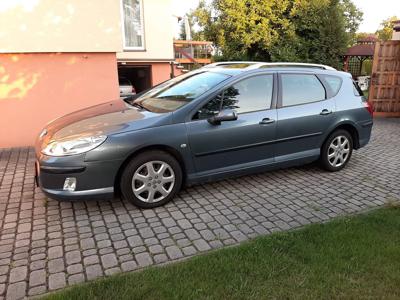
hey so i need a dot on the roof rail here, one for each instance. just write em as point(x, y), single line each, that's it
point(295, 64)
point(228, 63)
point(257, 65)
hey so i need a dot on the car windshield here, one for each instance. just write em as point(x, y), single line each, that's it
point(175, 93)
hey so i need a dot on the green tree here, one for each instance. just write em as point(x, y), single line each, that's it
point(362, 35)
point(352, 16)
point(280, 30)
point(243, 29)
point(323, 30)
point(386, 29)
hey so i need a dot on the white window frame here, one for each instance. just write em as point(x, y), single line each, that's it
point(143, 47)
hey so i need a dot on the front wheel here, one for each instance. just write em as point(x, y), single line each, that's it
point(336, 151)
point(151, 179)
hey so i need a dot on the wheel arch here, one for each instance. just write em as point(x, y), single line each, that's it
point(350, 128)
point(168, 149)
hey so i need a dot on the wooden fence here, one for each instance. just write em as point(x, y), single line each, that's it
point(384, 92)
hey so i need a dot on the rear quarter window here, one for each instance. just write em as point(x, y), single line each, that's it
point(356, 89)
point(334, 83)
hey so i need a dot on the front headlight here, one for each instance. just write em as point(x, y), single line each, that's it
point(73, 146)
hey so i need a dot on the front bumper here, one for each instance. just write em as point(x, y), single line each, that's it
point(98, 194)
point(95, 180)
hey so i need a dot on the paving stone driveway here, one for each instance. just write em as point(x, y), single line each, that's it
point(46, 245)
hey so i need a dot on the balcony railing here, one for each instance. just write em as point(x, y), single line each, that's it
point(195, 52)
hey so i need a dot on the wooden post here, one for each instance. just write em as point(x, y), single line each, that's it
point(361, 59)
point(346, 64)
point(374, 75)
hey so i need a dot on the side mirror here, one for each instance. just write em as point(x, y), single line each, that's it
point(224, 115)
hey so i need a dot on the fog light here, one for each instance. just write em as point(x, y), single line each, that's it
point(70, 184)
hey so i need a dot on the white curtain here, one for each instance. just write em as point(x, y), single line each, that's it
point(133, 23)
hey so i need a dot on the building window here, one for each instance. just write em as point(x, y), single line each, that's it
point(133, 24)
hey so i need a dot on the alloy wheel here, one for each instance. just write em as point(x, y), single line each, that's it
point(153, 181)
point(338, 151)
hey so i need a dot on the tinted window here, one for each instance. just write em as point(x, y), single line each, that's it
point(212, 108)
point(334, 83)
point(248, 95)
point(301, 88)
point(178, 91)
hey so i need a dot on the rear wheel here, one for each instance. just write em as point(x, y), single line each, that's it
point(151, 179)
point(336, 151)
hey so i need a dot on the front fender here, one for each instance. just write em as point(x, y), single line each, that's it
point(119, 147)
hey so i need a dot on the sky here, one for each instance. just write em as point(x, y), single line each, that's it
point(374, 11)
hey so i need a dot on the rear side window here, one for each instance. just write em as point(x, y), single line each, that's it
point(301, 89)
point(333, 82)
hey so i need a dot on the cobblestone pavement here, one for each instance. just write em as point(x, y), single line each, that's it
point(46, 245)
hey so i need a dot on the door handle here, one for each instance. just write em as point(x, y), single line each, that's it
point(266, 121)
point(325, 112)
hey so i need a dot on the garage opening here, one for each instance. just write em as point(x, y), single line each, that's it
point(138, 76)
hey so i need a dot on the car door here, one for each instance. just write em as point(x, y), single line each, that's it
point(304, 116)
point(240, 143)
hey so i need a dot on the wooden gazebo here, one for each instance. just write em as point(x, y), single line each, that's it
point(357, 54)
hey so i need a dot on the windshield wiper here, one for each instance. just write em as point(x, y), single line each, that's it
point(175, 97)
point(137, 104)
point(127, 100)
point(130, 101)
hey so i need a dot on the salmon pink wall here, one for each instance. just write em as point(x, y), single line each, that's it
point(39, 87)
point(160, 72)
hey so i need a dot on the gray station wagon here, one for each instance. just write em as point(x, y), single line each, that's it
point(225, 119)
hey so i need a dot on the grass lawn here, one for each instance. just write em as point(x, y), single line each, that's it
point(354, 257)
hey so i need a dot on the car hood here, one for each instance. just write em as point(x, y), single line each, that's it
point(103, 119)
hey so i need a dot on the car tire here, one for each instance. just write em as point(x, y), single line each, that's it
point(336, 151)
point(151, 179)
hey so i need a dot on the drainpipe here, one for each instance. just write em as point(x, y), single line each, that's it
point(172, 67)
